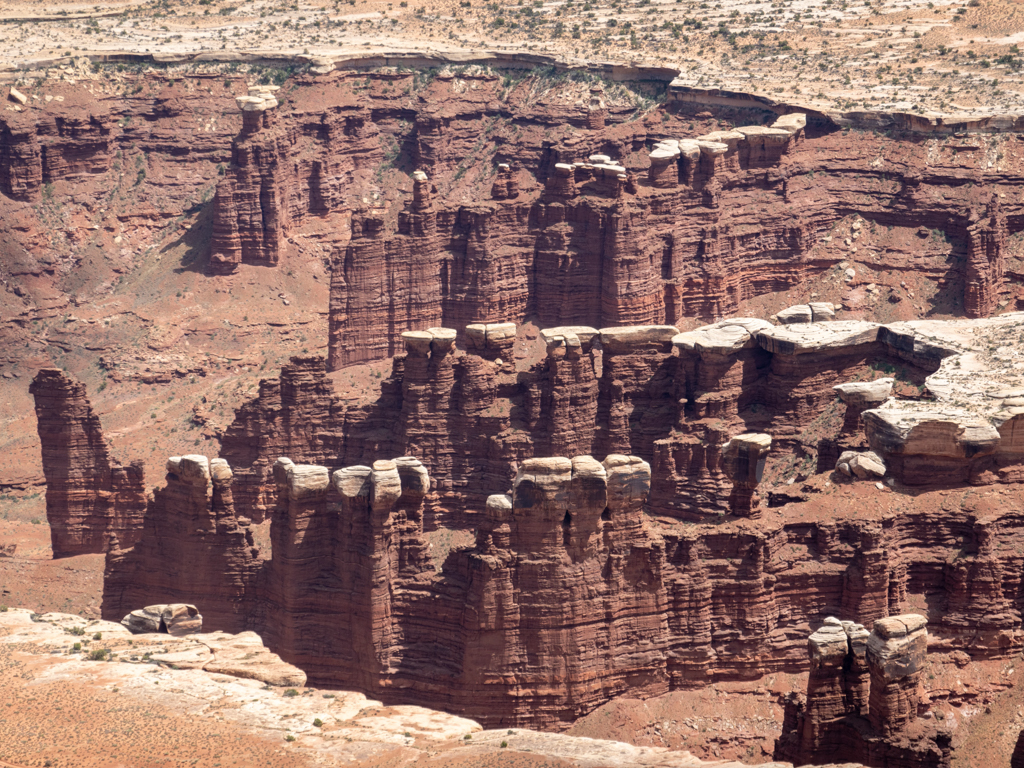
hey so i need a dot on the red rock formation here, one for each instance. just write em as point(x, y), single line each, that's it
point(290, 417)
point(21, 168)
point(743, 459)
point(732, 595)
point(376, 278)
point(505, 186)
point(283, 170)
point(597, 112)
point(985, 261)
point(193, 549)
point(89, 496)
point(637, 398)
point(829, 724)
point(896, 653)
point(562, 405)
point(979, 611)
point(253, 197)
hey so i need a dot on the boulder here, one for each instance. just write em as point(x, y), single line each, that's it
point(800, 313)
point(865, 394)
point(176, 619)
point(822, 311)
point(861, 465)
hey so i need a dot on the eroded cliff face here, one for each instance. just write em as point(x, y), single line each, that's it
point(627, 493)
point(89, 495)
point(699, 227)
point(191, 542)
point(566, 549)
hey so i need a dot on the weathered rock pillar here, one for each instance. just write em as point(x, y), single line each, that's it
point(895, 657)
point(505, 186)
point(492, 341)
point(743, 459)
point(597, 113)
point(861, 396)
point(664, 170)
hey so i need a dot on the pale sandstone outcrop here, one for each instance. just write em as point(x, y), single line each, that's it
point(633, 337)
point(723, 337)
point(242, 655)
point(791, 123)
point(971, 429)
point(493, 341)
point(178, 619)
point(801, 313)
point(815, 312)
point(822, 311)
point(818, 337)
point(860, 396)
point(571, 337)
point(865, 394)
point(259, 99)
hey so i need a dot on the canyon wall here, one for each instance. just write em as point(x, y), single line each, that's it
point(665, 553)
point(711, 222)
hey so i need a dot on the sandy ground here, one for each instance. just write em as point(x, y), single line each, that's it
point(908, 55)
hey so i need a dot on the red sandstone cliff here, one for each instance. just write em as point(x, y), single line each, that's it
point(192, 546)
point(863, 698)
point(89, 496)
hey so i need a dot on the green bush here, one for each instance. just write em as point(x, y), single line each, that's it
point(291, 692)
point(100, 654)
point(318, 723)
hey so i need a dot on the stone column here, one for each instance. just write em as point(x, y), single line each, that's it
point(743, 459)
point(597, 113)
point(664, 170)
point(895, 656)
point(561, 183)
point(505, 186)
point(861, 396)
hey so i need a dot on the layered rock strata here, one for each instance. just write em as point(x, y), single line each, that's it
point(735, 600)
point(862, 699)
point(193, 549)
point(284, 172)
point(473, 264)
point(89, 495)
point(353, 548)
